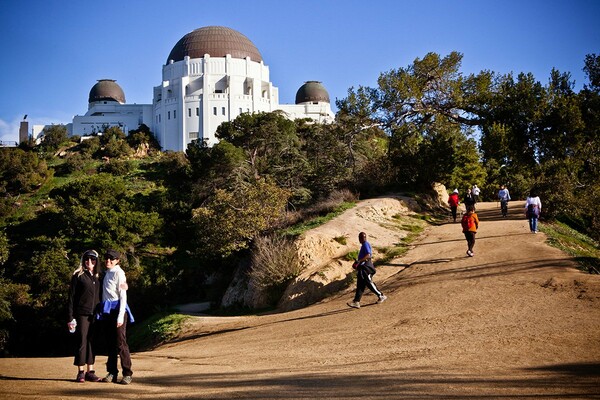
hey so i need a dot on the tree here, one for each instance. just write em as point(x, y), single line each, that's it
point(21, 171)
point(271, 146)
point(220, 166)
point(327, 159)
point(114, 143)
point(101, 207)
point(142, 137)
point(53, 137)
point(231, 220)
point(592, 70)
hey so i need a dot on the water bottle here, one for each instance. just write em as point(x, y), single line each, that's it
point(72, 326)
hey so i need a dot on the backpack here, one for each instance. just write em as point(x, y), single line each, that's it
point(467, 222)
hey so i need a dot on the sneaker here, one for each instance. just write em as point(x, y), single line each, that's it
point(354, 304)
point(126, 380)
point(80, 377)
point(469, 253)
point(110, 378)
point(381, 299)
point(91, 376)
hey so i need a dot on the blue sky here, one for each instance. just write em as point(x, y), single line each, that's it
point(52, 52)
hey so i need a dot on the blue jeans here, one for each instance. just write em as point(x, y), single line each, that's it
point(533, 224)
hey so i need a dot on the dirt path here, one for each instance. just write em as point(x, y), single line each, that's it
point(516, 321)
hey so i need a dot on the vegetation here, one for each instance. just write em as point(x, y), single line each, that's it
point(186, 220)
point(585, 250)
point(158, 329)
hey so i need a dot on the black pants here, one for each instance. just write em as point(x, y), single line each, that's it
point(116, 342)
point(453, 209)
point(84, 333)
point(364, 280)
point(470, 236)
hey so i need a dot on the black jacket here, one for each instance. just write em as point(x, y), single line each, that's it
point(84, 294)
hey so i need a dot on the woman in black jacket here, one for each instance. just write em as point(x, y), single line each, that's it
point(84, 296)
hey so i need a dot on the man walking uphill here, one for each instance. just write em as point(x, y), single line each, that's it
point(364, 273)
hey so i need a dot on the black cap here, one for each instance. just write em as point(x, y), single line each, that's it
point(112, 254)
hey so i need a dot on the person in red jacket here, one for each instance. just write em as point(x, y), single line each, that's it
point(453, 202)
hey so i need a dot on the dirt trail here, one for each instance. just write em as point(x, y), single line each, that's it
point(516, 321)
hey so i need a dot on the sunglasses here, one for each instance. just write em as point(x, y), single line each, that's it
point(90, 259)
point(110, 259)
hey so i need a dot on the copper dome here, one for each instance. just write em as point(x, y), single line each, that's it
point(217, 41)
point(106, 89)
point(312, 91)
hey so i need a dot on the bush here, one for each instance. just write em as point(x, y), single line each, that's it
point(274, 264)
point(74, 163)
point(117, 167)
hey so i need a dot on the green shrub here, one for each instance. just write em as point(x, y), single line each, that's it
point(156, 330)
point(341, 240)
point(117, 167)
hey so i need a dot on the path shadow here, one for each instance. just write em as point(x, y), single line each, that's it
point(573, 381)
point(16, 378)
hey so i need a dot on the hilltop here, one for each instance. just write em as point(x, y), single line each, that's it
point(518, 320)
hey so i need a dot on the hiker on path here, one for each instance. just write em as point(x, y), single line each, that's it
point(453, 202)
point(476, 192)
point(469, 200)
point(533, 209)
point(504, 197)
point(470, 223)
point(84, 296)
point(115, 316)
point(364, 273)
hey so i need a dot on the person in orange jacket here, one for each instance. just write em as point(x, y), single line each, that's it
point(470, 223)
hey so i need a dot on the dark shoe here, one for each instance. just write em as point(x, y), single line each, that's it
point(80, 377)
point(126, 380)
point(110, 378)
point(91, 376)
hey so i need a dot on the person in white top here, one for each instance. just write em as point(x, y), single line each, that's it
point(116, 314)
point(476, 192)
point(533, 209)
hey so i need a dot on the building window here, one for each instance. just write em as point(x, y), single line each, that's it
point(241, 110)
point(215, 110)
point(193, 135)
point(159, 118)
point(223, 110)
point(189, 112)
point(197, 111)
point(174, 114)
point(168, 114)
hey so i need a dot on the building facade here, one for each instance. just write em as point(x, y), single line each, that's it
point(212, 75)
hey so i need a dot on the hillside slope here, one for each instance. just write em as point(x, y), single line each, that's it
point(515, 321)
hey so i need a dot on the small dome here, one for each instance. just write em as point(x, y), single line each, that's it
point(217, 41)
point(312, 91)
point(106, 90)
